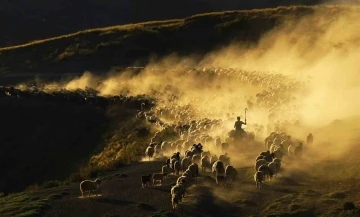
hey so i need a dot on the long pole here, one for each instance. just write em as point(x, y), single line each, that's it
point(245, 114)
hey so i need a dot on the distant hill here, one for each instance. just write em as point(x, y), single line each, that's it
point(23, 21)
point(103, 48)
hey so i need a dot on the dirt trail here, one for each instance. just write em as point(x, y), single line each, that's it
point(293, 191)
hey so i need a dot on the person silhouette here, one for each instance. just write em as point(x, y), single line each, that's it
point(238, 124)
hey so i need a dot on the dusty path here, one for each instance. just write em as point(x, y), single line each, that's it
point(293, 191)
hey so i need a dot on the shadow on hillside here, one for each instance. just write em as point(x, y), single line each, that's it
point(205, 203)
point(113, 201)
point(47, 140)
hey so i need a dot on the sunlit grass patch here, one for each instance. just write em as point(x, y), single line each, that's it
point(22, 204)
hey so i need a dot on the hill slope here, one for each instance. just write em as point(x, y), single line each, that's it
point(49, 136)
point(100, 49)
point(41, 19)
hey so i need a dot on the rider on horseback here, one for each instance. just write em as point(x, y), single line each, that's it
point(238, 125)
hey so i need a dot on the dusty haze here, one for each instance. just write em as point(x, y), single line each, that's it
point(320, 53)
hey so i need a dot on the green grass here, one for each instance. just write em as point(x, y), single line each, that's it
point(94, 49)
point(336, 195)
point(329, 201)
point(22, 204)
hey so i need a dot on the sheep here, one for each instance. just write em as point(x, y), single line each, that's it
point(278, 161)
point(217, 141)
point(220, 180)
point(194, 168)
point(225, 159)
point(145, 180)
point(264, 153)
point(189, 174)
point(218, 168)
point(90, 186)
point(182, 191)
point(177, 167)
point(224, 147)
point(205, 163)
point(185, 163)
point(260, 163)
point(196, 158)
point(279, 152)
point(165, 147)
point(259, 178)
point(157, 149)
point(274, 167)
point(166, 170)
point(298, 150)
point(269, 157)
point(158, 177)
point(175, 198)
point(185, 180)
point(231, 173)
point(176, 156)
point(259, 157)
point(213, 159)
point(149, 152)
point(309, 139)
point(266, 171)
point(205, 153)
point(172, 163)
point(189, 153)
point(295, 150)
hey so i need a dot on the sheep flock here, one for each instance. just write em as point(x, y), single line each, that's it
point(194, 121)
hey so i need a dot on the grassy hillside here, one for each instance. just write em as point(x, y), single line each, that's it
point(51, 136)
point(24, 21)
point(100, 49)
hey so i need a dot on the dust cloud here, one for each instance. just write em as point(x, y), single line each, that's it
point(316, 57)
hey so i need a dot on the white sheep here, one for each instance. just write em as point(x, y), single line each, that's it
point(149, 152)
point(213, 159)
point(158, 150)
point(205, 153)
point(259, 178)
point(90, 186)
point(166, 170)
point(224, 147)
point(205, 163)
point(194, 168)
point(274, 167)
point(260, 163)
point(295, 150)
point(225, 159)
point(279, 152)
point(177, 167)
point(185, 163)
point(175, 196)
point(218, 141)
point(196, 158)
point(230, 173)
point(218, 168)
point(185, 180)
point(182, 190)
